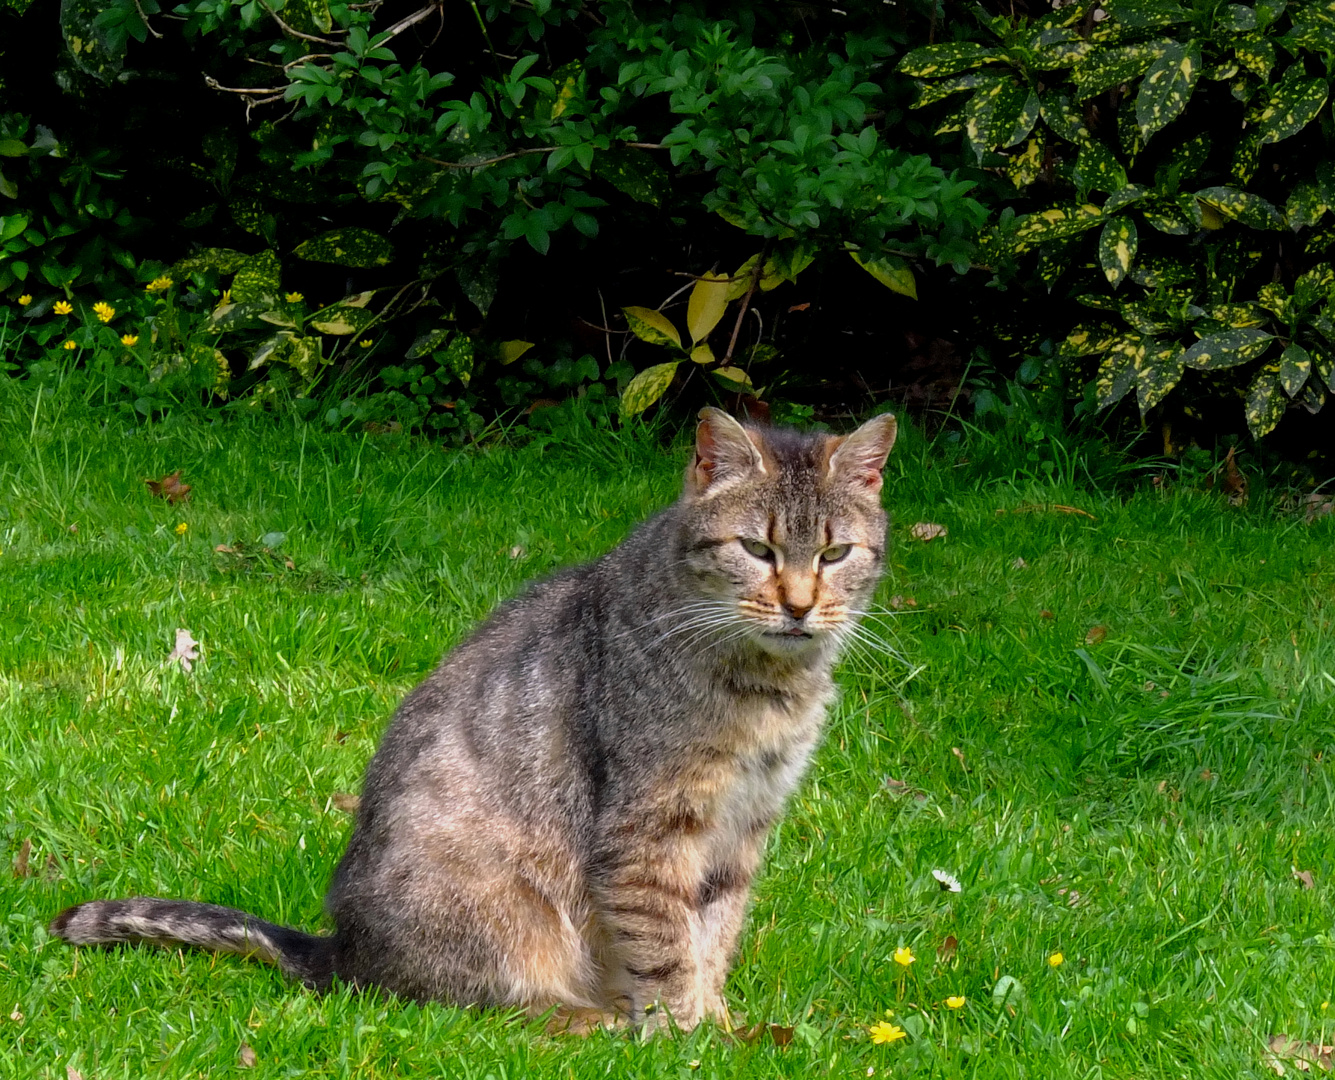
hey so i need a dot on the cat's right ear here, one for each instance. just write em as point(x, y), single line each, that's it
point(724, 452)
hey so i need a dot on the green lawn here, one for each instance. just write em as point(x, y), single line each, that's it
point(1136, 799)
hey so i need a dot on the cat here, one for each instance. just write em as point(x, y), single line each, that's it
point(566, 816)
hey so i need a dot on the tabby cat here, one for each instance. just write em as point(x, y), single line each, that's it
point(567, 814)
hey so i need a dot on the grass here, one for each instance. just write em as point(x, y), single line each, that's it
point(1136, 797)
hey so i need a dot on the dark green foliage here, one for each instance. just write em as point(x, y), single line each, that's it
point(1198, 243)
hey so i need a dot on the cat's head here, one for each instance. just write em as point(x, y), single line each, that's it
point(784, 535)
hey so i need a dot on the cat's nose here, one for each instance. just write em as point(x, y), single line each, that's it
point(797, 611)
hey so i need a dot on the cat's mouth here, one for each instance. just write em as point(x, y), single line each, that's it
point(791, 632)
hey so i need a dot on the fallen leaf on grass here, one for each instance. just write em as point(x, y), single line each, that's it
point(1234, 484)
point(21, 867)
point(349, 804)
point(1315, 506)
point(960, 754)
point(1096, 634)
point(945, 952)
point(517, 552)
point(926, 530)
point(1304, 878)
point(1055, 508)
point(1019, 564)
point(71, 1073)
point(170, 488)
point(245, 1057)
point(186, 651)
point(753, 1033)
point(16, 1016)
point(899, 603)
point(1046, 614)
point(1301, 1055)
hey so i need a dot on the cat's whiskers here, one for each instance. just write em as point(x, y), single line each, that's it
point(695, 607)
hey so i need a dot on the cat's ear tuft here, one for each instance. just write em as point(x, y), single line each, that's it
point(858, 459)
point(724, 451)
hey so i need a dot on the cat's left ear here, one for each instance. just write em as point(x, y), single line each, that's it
point(858, 459)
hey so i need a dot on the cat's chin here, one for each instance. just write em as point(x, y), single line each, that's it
point(786, 642)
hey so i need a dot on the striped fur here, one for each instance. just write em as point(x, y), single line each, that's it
point(569, 812)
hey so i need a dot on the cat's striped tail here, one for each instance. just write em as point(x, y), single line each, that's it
point(205, 926)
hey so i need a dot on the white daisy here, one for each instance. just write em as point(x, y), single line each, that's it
point(948, 882)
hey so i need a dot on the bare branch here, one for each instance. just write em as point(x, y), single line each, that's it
point(406, 22)
point(244, 91)
point(147, 25)
point(297, 33)
point(489, 161)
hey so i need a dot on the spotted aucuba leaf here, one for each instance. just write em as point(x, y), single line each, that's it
point(1026, 166)
point(1160, 272)
point(1235, 316)
point(1318, 279)
point(1057, 47)
point(1167, 86)
point(1308, 203)
point(1323, 363)
point(1106, 68)
point(1124, 196)
point(1022, 123)
point(1265, 403)
point(948, 58)
point(990, 113)
point(1166, 216)
point(1313, 25)
point(1293, 104)
point(1295, 365)
point(1256, 53)
point(1158, 370)
point(1055, 224)
point(1246, 158)
point(646, 388)
point(1242, 206)
point(1273, 298)
point(259, 278)
point(1117, 249)
point(1054, 259)
point(1085, 340)
point(1144, 317)
point(1117, 370)
point(1312, 398)
point(1235, 18)
point(1064, 118)
point(1220, 72)
point(1214, 352)
point(929, 93)
point(1096, 169)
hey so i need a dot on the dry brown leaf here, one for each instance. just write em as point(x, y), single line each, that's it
point(71, 1073)
point(1304, 878)
point(926, 531)
point(753, 1033)
point(170, 488)
point(960, 754)
point(899, 603)
point(1234, 484)
point(1096, 634)
point(1207, 775)
point(1315, 506)
point(1046, 614)
point(21, 867)
point(1018, 564)
point(945, 952)
point(1055, 508)
point(517, 552)
point(799, 307)
point(349, 804)
point(245, 1057)
point(1301, 1055)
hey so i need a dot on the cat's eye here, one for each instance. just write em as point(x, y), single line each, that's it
point(835, 552)
point(758, 548)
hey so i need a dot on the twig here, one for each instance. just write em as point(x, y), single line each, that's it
point(253, 91)
point(607, 340)
point(756, 272)
point(406, 22)
point(647, 146)
point(489, 161)
point(297, 33)
point(147, 26)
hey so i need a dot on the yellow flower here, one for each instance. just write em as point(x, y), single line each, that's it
point(226, 297)
point(955, 1002)
point(63, 307)
point(25, 299)
point(365, 343)
point(904, 956)
point(886, 1032)
point(70, 344)
point(104, 311)
point(1056, 960)
point(295, 298)
point(1325, 1005)
point(129, 340)
point(180, 529)
point(159, 284)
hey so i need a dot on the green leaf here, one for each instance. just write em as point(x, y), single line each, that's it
point(458, 358)
point(12, 225)
point(1057, 223)
point(732, 377)
point(945, 59)
point(708, 302)
point(1166, 216)
point(1292, 106)
point(890, 272)
point(1096, 169)
point(1132, 193)
point(929, 93)
point(1064, 118)
point(1084, 341)
point(12, 148)
point(1308, 203)
point(1256, 53)
point(1214, 352)
point(634, 173)
point(1166, 87)
point(1057, 47)
point(702, 354)
point(1117, 370)
point(1157, 372)
point(1102, 69)
point(427, 343)
point(1295, 365)
point(510, 351)
point(221, 260)
point(96, 44)
point(1265, 402)
point(1235, 18)
point(1246, 158)
point(301, 353)
point(1243, 206)
point(347, 247)
point(1117, 249)
point(652, 326)
point(1026, 167)
point(646, 388)
point(258, 279)
point(341, 319)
